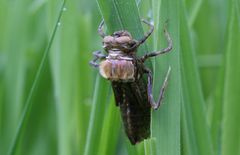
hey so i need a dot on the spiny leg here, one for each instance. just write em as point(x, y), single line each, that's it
point(147, 34)
point(98, 55)
point(100, 29)
point(155, 105)
point(139, 42)
point(165, 50)
point(94, 63)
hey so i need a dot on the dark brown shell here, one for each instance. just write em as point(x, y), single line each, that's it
point(135, 108)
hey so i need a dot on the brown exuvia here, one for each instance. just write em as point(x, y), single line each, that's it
point(125, 70)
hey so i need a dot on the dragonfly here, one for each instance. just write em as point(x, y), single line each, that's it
point(125, 70)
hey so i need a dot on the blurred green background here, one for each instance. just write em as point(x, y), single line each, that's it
point(53, 102)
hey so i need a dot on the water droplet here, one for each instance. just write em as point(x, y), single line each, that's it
point(64, 9)
point(59, 24)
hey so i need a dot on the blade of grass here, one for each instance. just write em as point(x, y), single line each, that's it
point(13, 52)
point(215, 112)
point(83, 84)
point(111, 126)
point(215, 105)
point(231, 129)
point(72, 75)
point(210, 43)
point(134, 149)
point(166, 121)
point(117, 15)
point(96, 115)
point(194, 12)
point(189, 145)
point(150, 147)
point(28, 104)
point(193, 97)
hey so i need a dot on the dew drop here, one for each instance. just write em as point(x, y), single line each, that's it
point(59, 24)
point(64, 9)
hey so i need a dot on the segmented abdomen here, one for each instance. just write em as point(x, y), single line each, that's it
point(135, 109)
point(116, 70)
point(136, 122)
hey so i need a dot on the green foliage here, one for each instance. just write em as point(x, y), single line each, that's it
point(166, 121)
point(53, 102)
point(231, 129)
point(194, 120)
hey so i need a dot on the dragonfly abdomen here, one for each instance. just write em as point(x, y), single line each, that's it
point(135, 110)
point(136, 122)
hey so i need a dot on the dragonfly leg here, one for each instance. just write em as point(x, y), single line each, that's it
point(155, 105)
point(100, 29)
point(165, 50)
point(98, 55)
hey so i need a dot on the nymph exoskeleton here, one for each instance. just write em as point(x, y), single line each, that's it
point(125, 70)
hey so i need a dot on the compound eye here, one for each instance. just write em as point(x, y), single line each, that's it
point(116, 34)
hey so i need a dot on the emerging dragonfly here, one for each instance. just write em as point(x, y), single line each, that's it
point(125, 70)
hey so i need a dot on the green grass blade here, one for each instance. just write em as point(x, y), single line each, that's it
point(96, 117)
point(166, 121)
point(13, 64)
point(231, 128)
point(215, 111)
point(28, 103)
point(188, 141)
point(150, 147)
point(84, 89)
point(118, 15)
point(195, 12)
point(111, 126)
point(69, 62)
point(192, 94)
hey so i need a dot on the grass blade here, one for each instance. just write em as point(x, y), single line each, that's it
point(150, 147)
point(111, 126)
point(28, 103)
point(117, 15)
point(166, 121)
point(231, 129)
point(195, 11)
point(72, 90)
point(96, 116)
point(192, 94)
